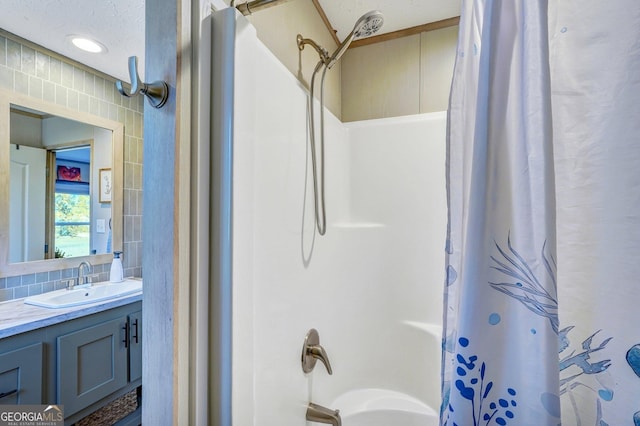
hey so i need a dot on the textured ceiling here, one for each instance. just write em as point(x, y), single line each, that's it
point(119, 24)
point(398, 14)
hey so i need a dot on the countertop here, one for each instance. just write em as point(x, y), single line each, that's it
point(17, 317)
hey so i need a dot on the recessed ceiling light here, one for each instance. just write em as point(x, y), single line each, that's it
point(87, 44)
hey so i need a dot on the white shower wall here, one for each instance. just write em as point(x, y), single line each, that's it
point(380, 265)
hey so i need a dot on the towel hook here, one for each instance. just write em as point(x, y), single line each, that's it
point(157, 92)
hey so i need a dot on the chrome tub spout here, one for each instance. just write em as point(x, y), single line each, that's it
point(318, 413)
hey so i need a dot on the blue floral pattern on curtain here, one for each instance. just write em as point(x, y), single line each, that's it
point(524, 286)
point(501, 326)
point(475, 392)
point(474, 385)
point(543, 234)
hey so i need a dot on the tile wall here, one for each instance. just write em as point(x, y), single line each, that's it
point(30, 70)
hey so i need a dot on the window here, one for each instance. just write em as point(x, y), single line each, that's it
point(72, 224)
point(72, 202)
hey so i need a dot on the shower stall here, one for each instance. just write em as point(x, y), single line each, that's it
point(371, 287)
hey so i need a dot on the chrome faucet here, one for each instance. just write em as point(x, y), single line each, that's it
point(318, 413)
point(313, 351)
point(83, 278)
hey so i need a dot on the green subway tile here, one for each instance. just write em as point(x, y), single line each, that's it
point(55, 71)
point(3, 51)
point(21, 82)
point(14, 52)
point(48, 91)
point(67, 75)
point(36, 87)
point(28, 61)
point(42, 65)
point(61, 95)
point(6, 78)
point(73, 100)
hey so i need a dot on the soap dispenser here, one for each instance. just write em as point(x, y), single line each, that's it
point(116, 274)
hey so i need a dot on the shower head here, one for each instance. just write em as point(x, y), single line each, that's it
point(367, 25)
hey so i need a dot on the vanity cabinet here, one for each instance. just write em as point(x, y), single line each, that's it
point(96, 361)
point(21, 375)
point(92, 363)
point(82, 364)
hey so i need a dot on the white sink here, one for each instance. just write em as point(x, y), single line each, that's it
point(82, 296)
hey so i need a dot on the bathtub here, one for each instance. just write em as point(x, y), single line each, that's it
point(382, 407)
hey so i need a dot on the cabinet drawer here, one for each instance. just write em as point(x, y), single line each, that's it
point(92, 363)
point(21, 375)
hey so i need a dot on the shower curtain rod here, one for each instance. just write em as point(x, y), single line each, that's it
point(253, 6)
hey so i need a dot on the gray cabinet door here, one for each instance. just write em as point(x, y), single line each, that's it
point(92, 363)
point(135, 346)
point(21, 375)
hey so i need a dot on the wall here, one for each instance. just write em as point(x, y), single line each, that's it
point(409, 75)
point(31, 70)
point(365, 283)
point(278, 27)
point(27, 130)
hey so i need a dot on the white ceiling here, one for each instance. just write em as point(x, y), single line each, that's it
point(119, 24)
point(398, 14)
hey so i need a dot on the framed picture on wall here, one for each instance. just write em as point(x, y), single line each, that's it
point(104, 178)
point(69, 174)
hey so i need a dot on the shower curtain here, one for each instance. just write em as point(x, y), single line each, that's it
point(543, 247)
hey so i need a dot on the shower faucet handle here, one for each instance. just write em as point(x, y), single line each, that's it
point(312, 351)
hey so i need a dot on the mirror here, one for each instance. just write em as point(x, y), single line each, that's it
point(60, 186)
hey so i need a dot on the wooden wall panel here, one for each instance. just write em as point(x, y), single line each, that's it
point(438, 53)
point(402, 76)
point(381, 80)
